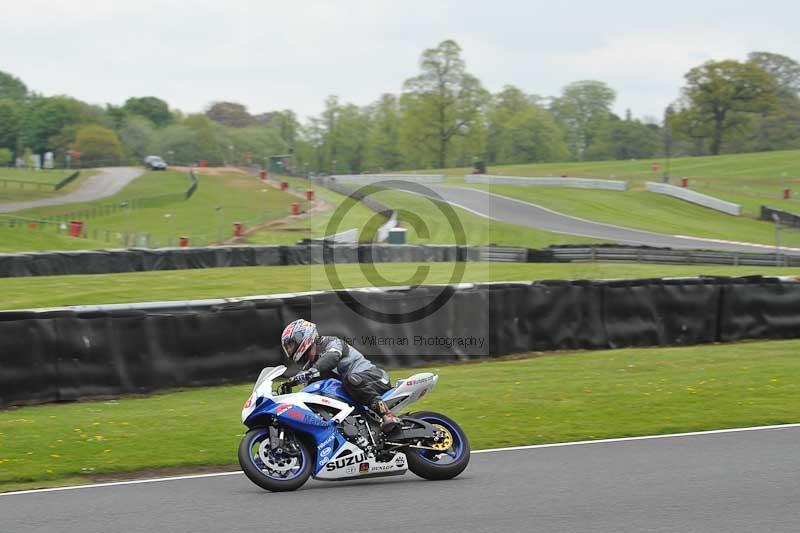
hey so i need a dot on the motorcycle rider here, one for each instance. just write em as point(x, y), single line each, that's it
point(322, 355)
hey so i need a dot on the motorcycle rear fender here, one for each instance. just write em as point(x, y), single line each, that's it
point(410, 390)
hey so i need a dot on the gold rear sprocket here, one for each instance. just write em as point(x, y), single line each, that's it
point(444, 440)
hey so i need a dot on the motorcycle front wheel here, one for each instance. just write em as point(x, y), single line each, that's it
point(450, 455)
point(272, 470)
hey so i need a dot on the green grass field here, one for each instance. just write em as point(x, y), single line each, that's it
point(648, 211)
point(45, 176)
point(50, 291)
point(773, 167)
point(315, 225)
point(24, 238)
point(751, 180)
point(748, 179)
point(15, 192)
point(552, 398)
point(240, 198)
point(435, 228)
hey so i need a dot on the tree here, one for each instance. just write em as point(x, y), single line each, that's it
point(520, 131)
point(181, 140)
point(624, 139)
point(721, 96)
point(6, 157)
point(150, 107)
point(785, 71)
point(338, 138)
point(383, 138)
point(98, 145)
point(778, 127)
point(230, 114)
point(51, 123)
point(11, 117)
point(136, 134)
point(207, 139)
point(11, 87)
point(442, 103)
point(257, 141)
point(582, 110)
point(285, 123)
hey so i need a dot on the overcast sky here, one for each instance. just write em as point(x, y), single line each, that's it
point(291, 54)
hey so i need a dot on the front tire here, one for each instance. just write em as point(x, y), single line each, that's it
point(259, 472)
point(446, 464)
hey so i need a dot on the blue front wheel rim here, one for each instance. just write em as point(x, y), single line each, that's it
point(256, 460)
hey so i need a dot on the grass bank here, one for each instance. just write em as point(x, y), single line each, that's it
point(41, 186)
point(49, 291)
point(207, 217)
point(773, 167)
point(649, 211)
point(553, 398)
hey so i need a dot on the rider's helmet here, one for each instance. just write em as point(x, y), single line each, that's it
point(297, 338)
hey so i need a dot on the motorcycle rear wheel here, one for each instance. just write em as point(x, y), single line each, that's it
point(259, 473)
point(429, 464)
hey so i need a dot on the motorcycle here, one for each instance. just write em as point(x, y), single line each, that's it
point(321, 432)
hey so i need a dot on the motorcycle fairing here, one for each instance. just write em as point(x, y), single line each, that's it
point(350, 462)
point(330, 387)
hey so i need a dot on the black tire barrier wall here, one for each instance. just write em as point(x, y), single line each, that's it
point(149, 259)
point(66, 355)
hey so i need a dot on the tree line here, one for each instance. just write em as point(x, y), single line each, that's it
point(443, 117)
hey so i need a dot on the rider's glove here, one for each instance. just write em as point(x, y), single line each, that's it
point(305, 376)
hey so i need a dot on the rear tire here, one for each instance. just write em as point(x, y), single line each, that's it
point(422, 462)
point(262, 478)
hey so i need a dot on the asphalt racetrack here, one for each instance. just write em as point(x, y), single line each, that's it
point(526, 214)
point(106, 182)
point(740, 481)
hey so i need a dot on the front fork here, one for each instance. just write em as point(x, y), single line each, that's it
point(282, 441)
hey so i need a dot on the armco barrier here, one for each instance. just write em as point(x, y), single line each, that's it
point(694, 197)
point(551, 181)
point(147, 259)
point(391, 216)
point(108, 350)
point(784, 217)
point(66, 181)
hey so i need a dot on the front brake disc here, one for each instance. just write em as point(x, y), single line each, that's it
point(281, 464)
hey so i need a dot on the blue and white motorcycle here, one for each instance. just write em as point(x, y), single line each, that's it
point(321, 432)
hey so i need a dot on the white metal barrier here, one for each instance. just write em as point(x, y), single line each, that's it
point(694, 197)
point(383, 231)
point(581, 183)
point(350, 235)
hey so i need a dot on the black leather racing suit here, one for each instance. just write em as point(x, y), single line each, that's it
point(361, 379)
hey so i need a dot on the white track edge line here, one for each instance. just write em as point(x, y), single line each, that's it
point(627, 228)
point(488, 450)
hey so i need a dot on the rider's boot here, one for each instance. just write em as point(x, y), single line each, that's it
point(389, 422)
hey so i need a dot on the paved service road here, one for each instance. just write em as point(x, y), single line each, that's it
point(732, 482)
point(526, 214)
point(106, 182)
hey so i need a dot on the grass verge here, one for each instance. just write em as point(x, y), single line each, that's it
point(776, 167)
point(50, 291)
point(13, 192)
point(207, 217)
point(553, 398)
point(648, 211)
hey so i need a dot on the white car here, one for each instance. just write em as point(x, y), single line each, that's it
point(153, 162)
